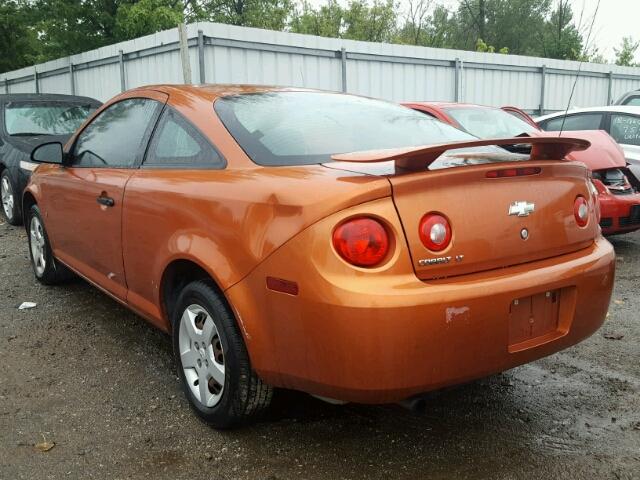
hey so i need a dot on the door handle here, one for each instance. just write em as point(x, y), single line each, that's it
point(106, 201)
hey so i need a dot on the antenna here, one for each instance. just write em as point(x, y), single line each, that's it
point(586, 46)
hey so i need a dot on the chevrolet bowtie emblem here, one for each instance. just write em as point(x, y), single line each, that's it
point(521, 209)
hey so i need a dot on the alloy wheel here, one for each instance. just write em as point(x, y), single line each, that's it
point(7, 197)
point(38, 245)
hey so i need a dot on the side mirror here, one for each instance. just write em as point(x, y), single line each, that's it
point(48, 153)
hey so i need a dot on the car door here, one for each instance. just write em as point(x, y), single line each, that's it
point(84, 198)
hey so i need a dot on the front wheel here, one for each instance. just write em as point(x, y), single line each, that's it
point(213, 362)
point(46, 268)
point(10, 204)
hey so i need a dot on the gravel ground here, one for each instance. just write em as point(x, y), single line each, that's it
point(85, 374)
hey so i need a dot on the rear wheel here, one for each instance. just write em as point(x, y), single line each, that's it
point(212, 359)
point(46, 268)
point(10, 204)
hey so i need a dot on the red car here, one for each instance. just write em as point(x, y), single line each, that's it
point(617, 186)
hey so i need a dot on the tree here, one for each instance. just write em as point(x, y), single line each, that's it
point(375, 23)
point(627, 52)
point(269, 14)
point(326, 21)
point(147, 16)
point(561, 38)
point(18, 40)
point(357, 21)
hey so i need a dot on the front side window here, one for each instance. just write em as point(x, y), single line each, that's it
point(625, 129)
point(114, 138)
point(489, 122)
point(177, 143)
point(301, 128)
point(580, 121)
point(44, 118)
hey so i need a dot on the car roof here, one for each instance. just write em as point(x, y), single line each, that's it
point(635, 110)
point(26, 97)
point(214, 91)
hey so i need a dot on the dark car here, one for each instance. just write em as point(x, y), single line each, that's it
point(26, 121)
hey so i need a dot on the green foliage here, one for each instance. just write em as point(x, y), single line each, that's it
point(561, 38)
point(627, 52)
point(357, 21)
point(269, 14)
point(140, 18)
point(18, 39)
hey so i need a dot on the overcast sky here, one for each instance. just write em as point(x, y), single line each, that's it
point(615, 19)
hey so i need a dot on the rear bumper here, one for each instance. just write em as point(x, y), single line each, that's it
point(616, 213)
point(352, 339)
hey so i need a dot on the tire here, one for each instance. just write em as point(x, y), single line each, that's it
point(10, 201)
point(47, 269)
point(208, 345)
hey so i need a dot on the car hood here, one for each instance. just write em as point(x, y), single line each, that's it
point(603, 154)
point(27, 144)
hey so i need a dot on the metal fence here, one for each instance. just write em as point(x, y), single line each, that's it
point(229, 54)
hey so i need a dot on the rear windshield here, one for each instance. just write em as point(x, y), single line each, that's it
point(300, 128)
point(39, 118)
point(489, 122)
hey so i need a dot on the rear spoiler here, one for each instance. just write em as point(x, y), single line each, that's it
point(419, 158)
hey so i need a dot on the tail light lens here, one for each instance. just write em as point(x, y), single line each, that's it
point(581, 210)
point(363, 242)
point(435, 232)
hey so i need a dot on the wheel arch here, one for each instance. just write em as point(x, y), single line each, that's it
point(176, 275)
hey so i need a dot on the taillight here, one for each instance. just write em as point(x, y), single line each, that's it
point(435, 232)
point(581, 210)
point(363, 241)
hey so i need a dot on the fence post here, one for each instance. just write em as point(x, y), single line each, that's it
point(123, 83)
point(343, 59)
point(610, 91)
point(543, 86)
point(184, 53)
point(6, 85)
point(458, 72)
point(201, 56)
point(35, 79)
point(72, 80)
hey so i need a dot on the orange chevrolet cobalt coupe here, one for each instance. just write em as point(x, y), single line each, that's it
point(347, 247)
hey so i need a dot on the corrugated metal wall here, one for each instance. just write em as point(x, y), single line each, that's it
point(229, 54)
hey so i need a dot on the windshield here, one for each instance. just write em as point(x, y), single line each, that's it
point(489, 122)
point(300, 128)
point(49, 118)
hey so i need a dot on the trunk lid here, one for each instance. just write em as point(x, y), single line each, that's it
point(485, 235)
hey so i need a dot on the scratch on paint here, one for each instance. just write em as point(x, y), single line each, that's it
point(457, 313)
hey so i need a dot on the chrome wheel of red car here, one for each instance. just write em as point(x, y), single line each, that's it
point(201, 355)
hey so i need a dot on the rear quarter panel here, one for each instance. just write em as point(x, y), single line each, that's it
point(226, 221)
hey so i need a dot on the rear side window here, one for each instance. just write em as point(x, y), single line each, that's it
point(625, 129)
point(114, 138)
point(177, 143)
point(580, 121)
